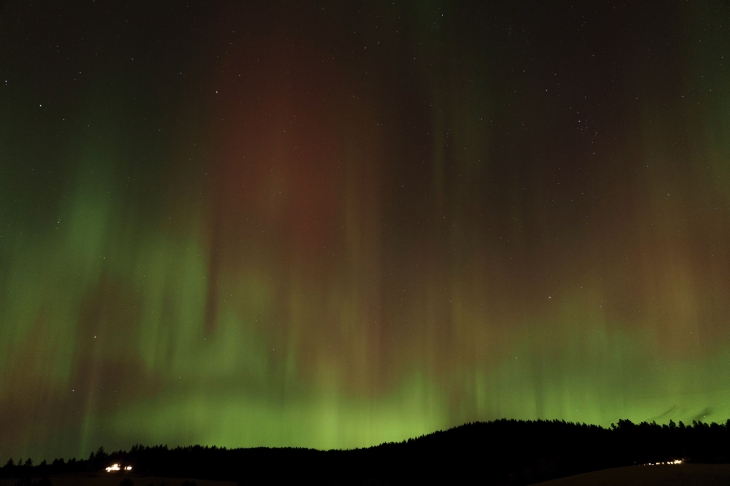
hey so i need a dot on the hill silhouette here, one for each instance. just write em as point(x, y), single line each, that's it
point(498, 452)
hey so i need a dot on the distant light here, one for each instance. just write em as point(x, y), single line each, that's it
point(113, 467)
point(128, 468)
point(669, 463)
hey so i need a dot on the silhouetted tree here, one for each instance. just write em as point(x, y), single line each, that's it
point(498, 452)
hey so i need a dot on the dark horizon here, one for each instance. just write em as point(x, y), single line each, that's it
point(625, 423)
point(498, 452)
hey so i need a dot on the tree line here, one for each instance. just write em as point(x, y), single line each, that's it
point(499, 452)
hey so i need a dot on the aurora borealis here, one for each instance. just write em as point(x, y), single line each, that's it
point(333, 224)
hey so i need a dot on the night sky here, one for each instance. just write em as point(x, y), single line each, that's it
point(331, 224)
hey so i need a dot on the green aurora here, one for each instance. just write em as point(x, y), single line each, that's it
point(334, 224)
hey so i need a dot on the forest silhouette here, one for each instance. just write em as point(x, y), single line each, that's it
point(497, 453)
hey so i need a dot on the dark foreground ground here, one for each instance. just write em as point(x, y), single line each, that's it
point(683, 475)
point(103, 479)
